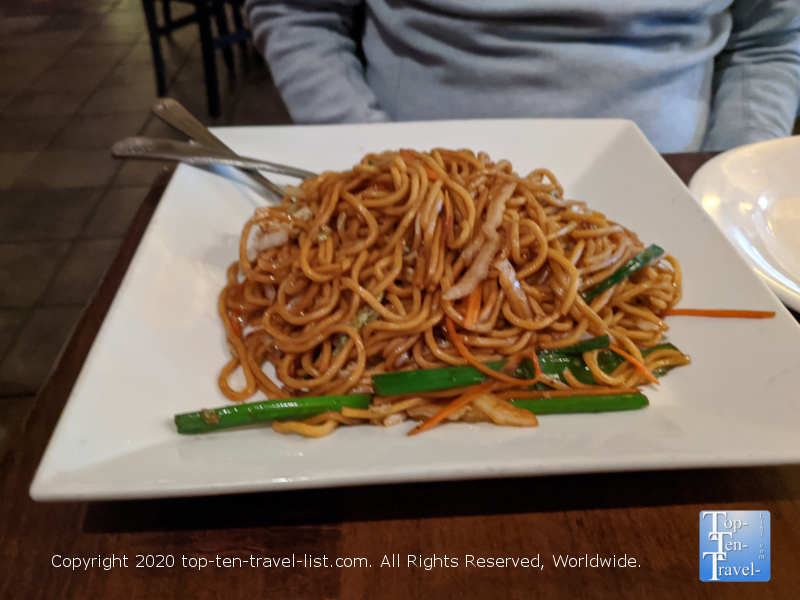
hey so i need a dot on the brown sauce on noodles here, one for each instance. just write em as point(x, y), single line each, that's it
point(355, 273)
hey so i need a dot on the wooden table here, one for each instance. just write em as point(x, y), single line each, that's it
point(651, 516)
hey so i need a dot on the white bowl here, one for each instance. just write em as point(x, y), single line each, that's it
point(753, 194)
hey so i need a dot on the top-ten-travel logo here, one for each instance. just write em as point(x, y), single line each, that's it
point(734, 545)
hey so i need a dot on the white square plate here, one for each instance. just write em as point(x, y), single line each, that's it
point(161, 346)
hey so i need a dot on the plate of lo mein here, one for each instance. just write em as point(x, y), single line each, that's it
point(444, 300)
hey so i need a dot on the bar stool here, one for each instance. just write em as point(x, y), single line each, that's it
point(203, 12)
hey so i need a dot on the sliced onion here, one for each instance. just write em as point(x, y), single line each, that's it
point(645, 325)
point(504, 413)
point(468, 414)
point(664, 264)
point(393, 420)
point(472, 248)
point(494, 213)
point(292, 304)
point(295, 192)
point(480, 268)
point(475, 274)
point(510, 284)
point(260, 241)
point(304, 213)
point(362, 387)
point(262, 212)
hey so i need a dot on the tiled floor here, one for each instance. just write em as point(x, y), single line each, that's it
point(75, 76)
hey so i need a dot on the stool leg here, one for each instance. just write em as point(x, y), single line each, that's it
point(209, 64)
point(222, 30)
point(155, 45)
point(239, 23)
point(166, 8)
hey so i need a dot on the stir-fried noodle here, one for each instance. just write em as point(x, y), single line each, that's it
point(359, 273)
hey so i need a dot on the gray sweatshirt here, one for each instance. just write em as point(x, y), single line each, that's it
point(693, 74)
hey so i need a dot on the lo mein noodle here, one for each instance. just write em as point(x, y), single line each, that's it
point(417, 260)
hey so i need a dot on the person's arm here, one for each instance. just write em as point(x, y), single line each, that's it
point(313, 56)
point(757, 76)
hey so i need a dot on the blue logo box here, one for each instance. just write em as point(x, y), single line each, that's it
point(734, 545)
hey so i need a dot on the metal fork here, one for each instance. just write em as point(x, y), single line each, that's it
point(193, 154)
point(175, 114)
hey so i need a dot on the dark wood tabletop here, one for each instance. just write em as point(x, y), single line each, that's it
point(651, 517)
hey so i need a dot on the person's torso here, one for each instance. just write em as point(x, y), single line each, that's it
point(646, 60)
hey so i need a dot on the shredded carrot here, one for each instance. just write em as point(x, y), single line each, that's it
point(719, 313)
point(455, 406)
point(408, 155)
point(473, 308)
point(511, 366)
point(448, 216)
point(640, 366)
point(537, 368)
point(545, 394)
point(432, 175)
point(471, 359)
